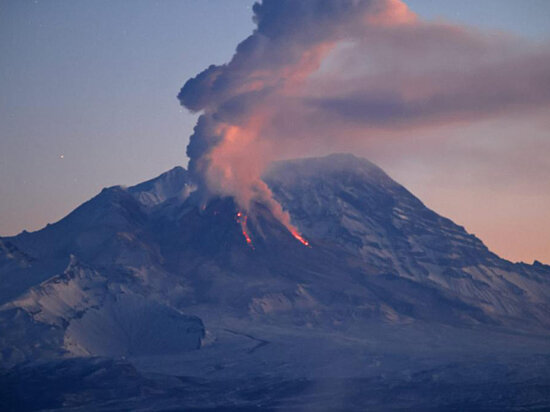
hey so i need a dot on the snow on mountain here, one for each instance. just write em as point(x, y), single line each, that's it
point(172, 185)
point(146, 274)
point(349, 201)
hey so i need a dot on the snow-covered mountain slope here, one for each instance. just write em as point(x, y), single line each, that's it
point(349, 201)
point(148, 274)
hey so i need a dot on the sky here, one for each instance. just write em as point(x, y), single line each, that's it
point(89, 100)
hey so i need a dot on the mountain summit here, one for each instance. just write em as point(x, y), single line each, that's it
point(148, 275)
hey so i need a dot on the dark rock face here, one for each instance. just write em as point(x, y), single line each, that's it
point(388, 295)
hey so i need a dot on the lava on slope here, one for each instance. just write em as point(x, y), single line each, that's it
point(299, 237)
point(242, 219)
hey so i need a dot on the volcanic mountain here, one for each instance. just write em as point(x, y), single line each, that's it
point(141, 285)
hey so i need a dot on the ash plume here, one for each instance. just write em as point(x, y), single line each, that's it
point(331, 72)
point(229, 149)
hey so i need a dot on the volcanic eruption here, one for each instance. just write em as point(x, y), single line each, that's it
point(327, 74)
point(238, 101)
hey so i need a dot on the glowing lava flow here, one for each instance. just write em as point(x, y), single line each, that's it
point(241, 219)
point(299, 237)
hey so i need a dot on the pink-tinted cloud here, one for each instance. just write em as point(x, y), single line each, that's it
point(238, 101)
point(330, 72)
point(401, 78)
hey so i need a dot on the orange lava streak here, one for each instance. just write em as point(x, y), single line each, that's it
point(299, 237)
point(242, 221)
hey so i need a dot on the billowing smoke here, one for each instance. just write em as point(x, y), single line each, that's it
point(229, 149)
point(321, 72)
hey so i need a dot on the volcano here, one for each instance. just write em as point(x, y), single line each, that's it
point(144, 298)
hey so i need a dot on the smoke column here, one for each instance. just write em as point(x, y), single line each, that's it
point(339, 73)
point(228, 150)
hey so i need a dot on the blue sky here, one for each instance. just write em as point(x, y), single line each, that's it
point(89, 96)
point(527, 18)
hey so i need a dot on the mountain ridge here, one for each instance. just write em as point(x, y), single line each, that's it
point(384, 205)
point(159, 286)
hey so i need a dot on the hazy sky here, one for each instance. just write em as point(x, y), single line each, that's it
point(89, 100)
